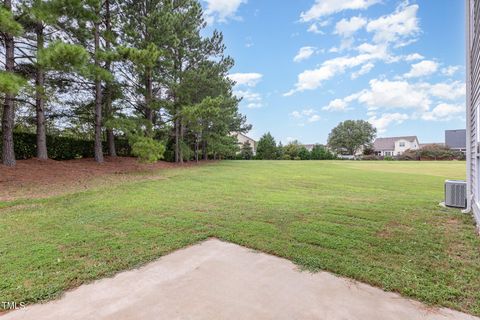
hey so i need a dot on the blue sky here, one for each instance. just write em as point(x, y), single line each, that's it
point(303, 66)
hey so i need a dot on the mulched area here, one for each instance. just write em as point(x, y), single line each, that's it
point(38, 179)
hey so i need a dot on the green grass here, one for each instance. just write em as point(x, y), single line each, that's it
point(378, 222)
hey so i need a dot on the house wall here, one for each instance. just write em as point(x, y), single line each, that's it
point(386, 153)
point(473, 103)
point(456, 139)
point(242, 139)
point(403, 145)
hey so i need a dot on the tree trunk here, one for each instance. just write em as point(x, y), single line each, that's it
point(177, 139)
point(181, 139)
point(42, 152)
point(8, 153)
point(108, 88)
point(148, 95)
point(98, 99)
point(196, 148)
point(204, 150)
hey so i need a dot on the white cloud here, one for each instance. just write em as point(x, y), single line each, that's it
point(347, 28)
point(315, 29)
point(314, 118)
point(397, 27)
point(366, 68)
point(323, 8)
point(308, 115)
point(246, 79)
point(421, 69)
point(222, 10)
point(296, 114)
point(413, 57)
point(336, 105)
point(342, 104)
point(450, 70)
point(447, 91)
point(312, 79)
point(444, 112)
point(248, 95)
point(386, 119)
point(400, 94)
point(304, 53)
point(394, 94)
point(254, 105)
point(254, 100)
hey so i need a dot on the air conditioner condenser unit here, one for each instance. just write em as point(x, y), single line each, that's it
point(456, 193)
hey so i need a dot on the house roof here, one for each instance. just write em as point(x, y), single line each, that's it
point(243, 135)
point(389, 143)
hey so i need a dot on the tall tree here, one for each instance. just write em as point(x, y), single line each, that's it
point(246, 152)
point(97, 5)
point(10, 83)
point(267, 147)
point(38, 18)
point(109, 87)
point(146, 32)
point(89, 31)
point(351, 135)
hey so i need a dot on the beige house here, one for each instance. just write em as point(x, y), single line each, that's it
point(395, 146)
point(241, 138)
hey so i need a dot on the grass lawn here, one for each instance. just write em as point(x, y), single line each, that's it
point(378, 222)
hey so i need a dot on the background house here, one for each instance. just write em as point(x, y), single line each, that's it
point(395, 146)
point(309, 147)
point(473, 104)
point(456, 140)
point(242, 138)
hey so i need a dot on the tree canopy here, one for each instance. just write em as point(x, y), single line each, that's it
point(267, 147)
point(96, 69)
point(351, 135)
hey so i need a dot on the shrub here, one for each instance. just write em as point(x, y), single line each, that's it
point(409, 155)
point(147, 149)
point(370, 157)
point(61, 148)
point(439, 152)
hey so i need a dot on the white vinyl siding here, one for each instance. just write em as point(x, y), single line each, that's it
point(474, 100)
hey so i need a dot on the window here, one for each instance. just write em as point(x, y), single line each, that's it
point(402, 144)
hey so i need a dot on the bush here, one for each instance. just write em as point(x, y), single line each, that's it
point(61, 148)
point(409, 155)
point(370, 157)
point(439, 152)
point(147, 149)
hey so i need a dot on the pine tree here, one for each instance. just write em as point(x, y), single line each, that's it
point(10, 82)
point(37, 18)
point(267, 147)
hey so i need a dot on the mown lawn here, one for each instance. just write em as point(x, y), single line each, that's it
point(378, 222)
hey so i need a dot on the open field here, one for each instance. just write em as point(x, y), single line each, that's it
point(377, 222)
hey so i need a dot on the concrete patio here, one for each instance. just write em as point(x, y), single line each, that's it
point(218, 280)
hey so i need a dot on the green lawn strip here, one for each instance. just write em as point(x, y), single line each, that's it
point(372, 224)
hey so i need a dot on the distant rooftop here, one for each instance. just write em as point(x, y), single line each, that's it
point(389, 143)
